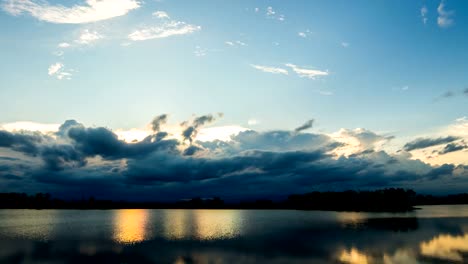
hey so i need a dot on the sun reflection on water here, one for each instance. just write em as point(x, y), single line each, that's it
point(176, 225)
point(130, 225)
point(446, 247)
point(216, 224)
point(353, 256)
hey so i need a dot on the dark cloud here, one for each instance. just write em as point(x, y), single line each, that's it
point(158, 121)
point(26, 142)
point(421, 143)
point(465, 92)
point(251, 165)
point(191, 131)
point(452, 147)
point(305, 126)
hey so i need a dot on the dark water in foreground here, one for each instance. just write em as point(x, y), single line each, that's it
point(435, 234)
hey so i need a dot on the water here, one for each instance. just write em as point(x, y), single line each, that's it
point(434, 234)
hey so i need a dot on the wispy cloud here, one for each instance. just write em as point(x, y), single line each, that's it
point(304, 34)
point(268, 69)
point(271, 13)
point(235, 43)
point(424, 12)
point(307, 73)
point(344, 44)
point(444, 19)
point(172, 28)
point(58, 71)
point(88, 37)
point(161, 14)
point(63, 45)
point(90, 11)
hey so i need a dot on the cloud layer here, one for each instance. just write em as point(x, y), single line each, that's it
point(89, 11)
point(251, 164)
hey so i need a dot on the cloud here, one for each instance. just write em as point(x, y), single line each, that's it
point(89, 11)
point(63, 45)
point(172, 28)
point(235, 43)
point(268, 69)
point(270, 163)
point(271, 13)
point(88, 37)
point(191, 131)
point(305, 126)
point(424, 12)
point(304, 34)
point(57, 69)
point(158, 121)
point(421, 143)
point(444, 19)
point(161, 14)
point(452, 147)
point(345, 44)
point(307, 73)
point(252, 122)
point(465, 92)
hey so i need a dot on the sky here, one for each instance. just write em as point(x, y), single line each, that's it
point(171, 99)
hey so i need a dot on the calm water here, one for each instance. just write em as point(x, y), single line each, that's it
point(434, 234)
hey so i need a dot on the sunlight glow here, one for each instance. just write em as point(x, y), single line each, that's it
point(446, 247)
point(130, 225)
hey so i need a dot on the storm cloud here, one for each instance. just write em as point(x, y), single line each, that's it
point(422, 143)
point(251, 164)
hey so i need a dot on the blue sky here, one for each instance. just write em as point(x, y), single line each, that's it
point(396, 68)
point(389, 48)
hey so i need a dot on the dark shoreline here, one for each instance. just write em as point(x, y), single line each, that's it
point(384, 200)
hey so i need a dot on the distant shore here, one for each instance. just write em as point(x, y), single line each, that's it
point(384, 200)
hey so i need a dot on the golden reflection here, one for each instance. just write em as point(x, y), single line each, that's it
point(175, 224)
point(130, 225)
point(351, 219)
point(353, 256)
point(446, 247)
point(216, 224)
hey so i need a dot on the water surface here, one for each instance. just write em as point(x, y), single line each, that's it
point(434, 234)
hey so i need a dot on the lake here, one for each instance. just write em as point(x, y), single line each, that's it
point(433, 234)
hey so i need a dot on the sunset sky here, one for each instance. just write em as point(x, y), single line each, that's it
point(173, 99)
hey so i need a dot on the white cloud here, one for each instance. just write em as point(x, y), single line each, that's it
point(87, 37)
point(344, 44)
point(90, 11)
point(235, 43)
point(165, 30)
point(161, 14)
point(58, 70)
point(270, 69)
point(444, 19)
point(424, 12)
point(304, 34)
point(252, 122)
point(54, 68)
point(63, 45)
point(271, 13)
point(256, 10)
point(308, 73)
point(30, 126)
